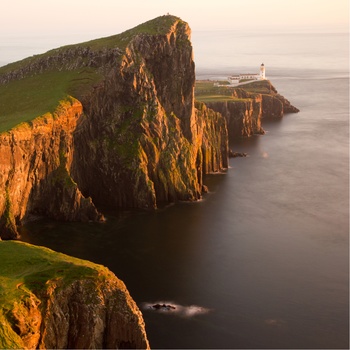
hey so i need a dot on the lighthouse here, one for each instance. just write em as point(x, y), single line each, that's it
point(262, 72)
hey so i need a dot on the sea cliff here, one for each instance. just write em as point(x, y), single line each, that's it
point(130, 136)
point(245, 106)
point(53, 301)
point(35, 179)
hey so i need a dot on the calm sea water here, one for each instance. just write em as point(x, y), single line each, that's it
point(263, 260)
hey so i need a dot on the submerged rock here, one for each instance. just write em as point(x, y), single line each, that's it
point(163, 307)
point(237, 154)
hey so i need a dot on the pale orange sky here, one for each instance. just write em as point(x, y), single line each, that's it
point(106, 17)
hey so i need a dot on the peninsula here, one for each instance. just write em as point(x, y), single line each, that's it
point(118, 109)
point(244, 106)
point(109, 123)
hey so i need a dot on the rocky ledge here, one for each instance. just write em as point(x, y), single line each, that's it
point(53, 301)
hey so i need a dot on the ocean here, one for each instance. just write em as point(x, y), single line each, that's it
point(262, 262)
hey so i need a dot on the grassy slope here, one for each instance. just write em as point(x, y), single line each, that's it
point(260, 87)
point(205, 91)
point(27, 269)
point(25, 99)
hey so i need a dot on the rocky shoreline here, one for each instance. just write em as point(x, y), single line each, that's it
point(136, 138)
point(248, 105)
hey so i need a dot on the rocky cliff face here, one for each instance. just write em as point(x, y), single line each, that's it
point(243, 115)
point(135, 139)
point(61, 302)
point(34, 177)
point(251, 103)
point(144, 142)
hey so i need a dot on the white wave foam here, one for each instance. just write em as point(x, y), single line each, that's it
point(168, 307)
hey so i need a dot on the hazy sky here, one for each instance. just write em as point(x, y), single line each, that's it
point(94, 18)
point(29, 27)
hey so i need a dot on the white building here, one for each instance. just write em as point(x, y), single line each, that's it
point(262, 72)
point(236, 79)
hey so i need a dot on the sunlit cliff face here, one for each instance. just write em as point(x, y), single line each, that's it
point(135, 128)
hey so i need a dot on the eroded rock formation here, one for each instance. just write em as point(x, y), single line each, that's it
point(250, 104)
point(141, 135)
point(134, 139)
point(34, 177)
point(243, 115)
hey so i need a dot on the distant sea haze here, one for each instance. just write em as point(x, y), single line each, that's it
point(266, 252)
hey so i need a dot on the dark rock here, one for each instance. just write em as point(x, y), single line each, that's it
point(236, 154)
point(205, 189)
point(163, 307)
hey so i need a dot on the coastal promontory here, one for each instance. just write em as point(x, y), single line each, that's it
point(52, 301)
point(244, 106)
point(109, 123)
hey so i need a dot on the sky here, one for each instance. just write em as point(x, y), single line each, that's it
point(107, 17)
point(45, 24)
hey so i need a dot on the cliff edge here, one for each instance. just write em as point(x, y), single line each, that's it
point(104, 124)
point(245, 106)
point(50, 300)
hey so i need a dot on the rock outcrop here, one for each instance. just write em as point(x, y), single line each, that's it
point(248, 105)
point(141, 135)
point(34, 178)
point(130, 138)
point(243, 115)
point(53, 301)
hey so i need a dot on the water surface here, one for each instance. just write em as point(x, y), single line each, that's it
point(262, 261)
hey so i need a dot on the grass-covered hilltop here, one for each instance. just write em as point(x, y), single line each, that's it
point(50, 300)
point(222, 91)
point(119, 109)
point(34, 86)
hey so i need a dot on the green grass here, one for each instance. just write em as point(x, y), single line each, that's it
point(214, 98)
point(26, 267)
point(27, 270)
point(23, 100)
point(206, 91)
point(157, 26)
point(260, 87)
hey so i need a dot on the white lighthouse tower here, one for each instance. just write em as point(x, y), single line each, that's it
point(262, 72)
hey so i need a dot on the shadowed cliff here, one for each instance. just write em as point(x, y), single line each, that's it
point(130, 135)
